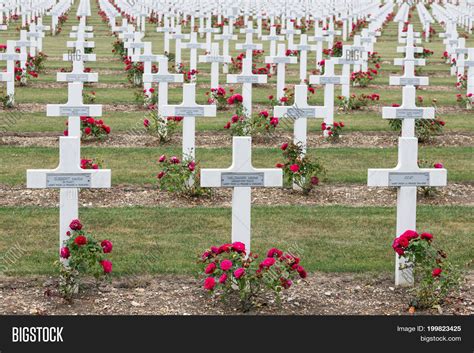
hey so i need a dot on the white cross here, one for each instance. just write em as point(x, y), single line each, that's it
point(242, 176)
point(469, 63)
point(461, 51)
point(247, 78)
point(163, 77)
point(209, 30)
point(68, 177)
point(351, 55)
point(329, 79)
point(147, 58)
point(273, 38)
point(214, 58)
point(166, 29)
point(78, 74)
point(225, 37)
point(299, 112)
point(10, 57)
point(189, 109)
point(36, 37)
point(290, 32)
point(193, 45)
point(303, 48)
point(319, 38)
point(134, 46)
point(281, 60)
point(249, 46)
point(178, 36)
point(74, 108)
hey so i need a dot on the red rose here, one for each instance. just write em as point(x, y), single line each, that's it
point(238, 247)
point(75, 225)
point(151, 90)
point(436, 272)
point(107, 129)
point(80, 240)
point(279, 165)
point(314, 180)
point(264, 113)
point(191, 166)
point(223, 278)
point(227, 126)
point(160, 175)
point(90, 121)
point(226, 265)
point(301, 271)
point(65, 253)
point(270, 97)
point(106, 265)
point(284, 146)
point(87, 130)
point(285, 283)
point(234, 119)
point(65, 133)
point(174, 160)
point(268, 262)
point(274, 251)
point(426, 236)
point(239, 272)
point(294, 168)
point(209, 283)
point(210, 268)
point(162, 158)
point(238, 98)
point(146, 122)
point(106, 246)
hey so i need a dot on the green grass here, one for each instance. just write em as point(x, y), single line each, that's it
point(139, 165)
point(163, 240)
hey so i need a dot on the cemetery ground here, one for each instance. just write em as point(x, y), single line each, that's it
point(343, 228)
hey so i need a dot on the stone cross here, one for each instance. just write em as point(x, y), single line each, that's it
point(74, 108)
point(208, 30)
point(303, 49)
point(193, 45)
point(249, 46)
point(68, 177)
point(147, 58)
point(351, 55)
point(247, 78)
point(189, 110)
point(214, 58)
point(178, 37)
point(281, 60)
point(242, 176)
point(329, 79)
point(11, 56)
point(225, 37)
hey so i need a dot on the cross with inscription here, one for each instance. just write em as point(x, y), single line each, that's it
point(351, 55)
point(242, 176)
point(178, 36)
point(329, 79)
point(68, 177)
point(214, 58)
point(225, 37)
point(10, 56)
point(248, 79)
point(281, 59)
point(189, 110)
point(249, 46)
point(193, 45)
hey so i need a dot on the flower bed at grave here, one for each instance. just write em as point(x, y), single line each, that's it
point(228, 272)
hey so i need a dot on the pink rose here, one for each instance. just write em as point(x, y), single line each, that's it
point(162, 158)
point(65, 253)
point(106, 265)
point(294, 168)
point(106, 246)
point(223, 278)
point(438, 165)
point(268, 262)
point(239, 272)
point(210, 268)
point(209, 283)
point(238, 247)
point(226, 265)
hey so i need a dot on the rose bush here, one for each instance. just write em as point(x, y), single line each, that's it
point(228, 271)
point(82, 255)
point(435, 277)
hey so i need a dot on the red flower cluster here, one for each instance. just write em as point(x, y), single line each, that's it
point(91, 127)
point(236, 98)
point(401, 244)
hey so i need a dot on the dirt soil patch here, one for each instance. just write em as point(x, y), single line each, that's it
point(320, 294)
point(149, 195)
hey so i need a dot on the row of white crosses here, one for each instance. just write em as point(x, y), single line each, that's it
point(467, 65)
point(407, 175)
point(69, 177)
point(426, 20)
point(58, 10)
